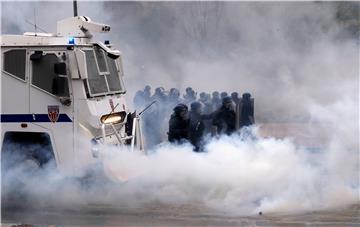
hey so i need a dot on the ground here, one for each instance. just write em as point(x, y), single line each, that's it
point(103, 215)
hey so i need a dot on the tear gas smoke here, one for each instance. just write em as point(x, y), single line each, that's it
point(298, 61)
point(237, 175)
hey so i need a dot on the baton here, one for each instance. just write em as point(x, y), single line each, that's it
point(147, 107)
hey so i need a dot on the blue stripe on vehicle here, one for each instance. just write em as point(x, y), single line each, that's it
point(14, 118)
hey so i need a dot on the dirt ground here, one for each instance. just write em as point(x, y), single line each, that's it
point(102, 215)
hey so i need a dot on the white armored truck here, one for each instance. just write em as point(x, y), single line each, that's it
point(61, 95)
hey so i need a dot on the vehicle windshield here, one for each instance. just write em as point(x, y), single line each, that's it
point(103, 74)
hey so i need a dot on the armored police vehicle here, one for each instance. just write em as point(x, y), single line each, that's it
point(61, 96)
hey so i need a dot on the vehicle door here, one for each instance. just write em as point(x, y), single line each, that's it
point(51, 100)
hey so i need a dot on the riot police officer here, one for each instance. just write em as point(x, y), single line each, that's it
point(235, 98)
point(197, 126)
point(246, 111)
point(202, 97)
point(225, 117)
point(174, 96)
point(216, 101)
point(159, 95)
point(139, 101)
point(179, 124)
point(190, 95)
point(147, 94)
point(223, 95)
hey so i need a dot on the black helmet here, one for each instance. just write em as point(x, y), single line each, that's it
point(215, 94)
point(227, 99)
point(246, 95)
point(180, 107)
point(159, 90)
point(174, 91)
point(195, 105)
point(234, 94)
point(223, 94)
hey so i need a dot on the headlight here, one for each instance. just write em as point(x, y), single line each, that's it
point(113, 118)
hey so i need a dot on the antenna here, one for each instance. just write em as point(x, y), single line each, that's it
point(35, 20)
point(75, 8)
point(37, 27)
point(34, 24)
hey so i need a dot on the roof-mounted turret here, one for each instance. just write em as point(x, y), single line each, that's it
point(80, 27)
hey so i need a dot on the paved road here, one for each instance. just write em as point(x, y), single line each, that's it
point(102, 215)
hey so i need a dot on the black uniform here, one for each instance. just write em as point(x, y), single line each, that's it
point(202, 97)
point(159, 95)
point(190, 95)
point(147, 94)
point(173, 97)
point(197, 126)
point(196, 130)
point(216, 101)
point(223, 95)
point(179, 124)
point(247, 111)
point(225, 117)
point(235, 98)
point(139, 101)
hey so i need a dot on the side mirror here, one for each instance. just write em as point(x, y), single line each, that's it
point(60, 68)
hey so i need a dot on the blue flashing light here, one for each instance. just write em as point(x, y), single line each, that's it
point(71, 40)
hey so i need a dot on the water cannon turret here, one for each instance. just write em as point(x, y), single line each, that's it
point(80, 27)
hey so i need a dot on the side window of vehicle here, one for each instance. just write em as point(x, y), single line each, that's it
point(15, 63)
point(44, 76)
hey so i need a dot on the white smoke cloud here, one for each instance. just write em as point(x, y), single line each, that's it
point(237, 176)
